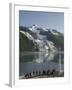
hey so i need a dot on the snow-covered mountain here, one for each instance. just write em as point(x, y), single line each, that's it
point(33, 28)
point(43, 39)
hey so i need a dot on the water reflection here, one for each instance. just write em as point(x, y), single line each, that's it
point(39, 61)
point(38, 57)
point(43, 56)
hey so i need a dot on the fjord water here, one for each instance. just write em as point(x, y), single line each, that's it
point(39, 61)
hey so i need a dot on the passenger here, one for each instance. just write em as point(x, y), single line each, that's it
point(36, 73)
point(39, 73)
point(53, 72)
point(33, 73)
point(48, 72)
point(26, 76)
point(30, 75)
point(44, 72)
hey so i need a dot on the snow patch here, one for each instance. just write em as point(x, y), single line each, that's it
point(27, 35)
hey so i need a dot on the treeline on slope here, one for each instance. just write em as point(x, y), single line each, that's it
point(24, 43)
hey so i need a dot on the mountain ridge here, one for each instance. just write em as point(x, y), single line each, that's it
point(42, 39)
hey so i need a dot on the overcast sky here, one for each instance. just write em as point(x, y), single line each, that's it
point(51, 20)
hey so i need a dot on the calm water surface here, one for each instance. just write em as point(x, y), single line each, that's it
point(39, 61)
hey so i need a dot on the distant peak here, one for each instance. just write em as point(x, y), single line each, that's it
point(35, 25)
